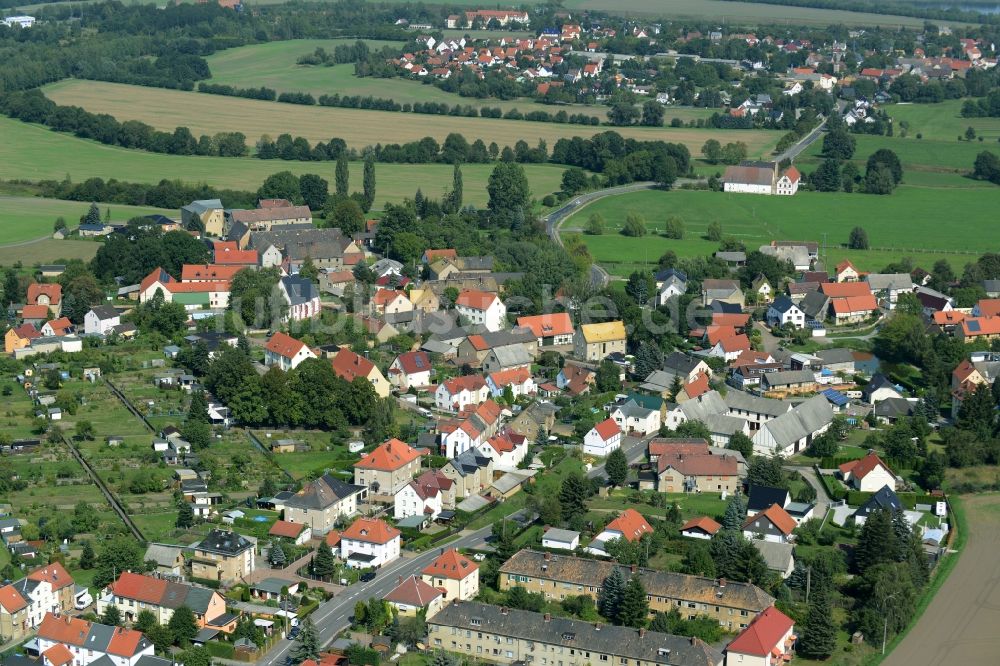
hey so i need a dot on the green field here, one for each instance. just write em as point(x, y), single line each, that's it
point(209, 114)
point(906, 223)
point(32, 152)
point(943, 121)
point(30, 218)
point(921, 154)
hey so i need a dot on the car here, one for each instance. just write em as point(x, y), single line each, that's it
point(294, 633)
point(479, 557)
point(367, 576)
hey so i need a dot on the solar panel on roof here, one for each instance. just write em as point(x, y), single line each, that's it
point(974, 326)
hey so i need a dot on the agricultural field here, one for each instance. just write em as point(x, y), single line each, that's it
point(906, 223)
point(31, 218)
point(32, 152)
point(273, 65)
point(47, 251)
point(943, 121)
point(209, 114)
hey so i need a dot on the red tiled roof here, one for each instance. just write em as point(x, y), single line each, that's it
point(763, 634)
point(389, 456)
point(383, 297)
point(476, 299)
point(284, 345)
point(157, 275)
point(141, 588)
point(445, 253)
point(28, 331)
point(348, 365)
point(37, 289)
point(735, 343)
point(778, 517)
point(64, 629)
point(607, 429)
point(60, 326)
point(370, 530)
point(125, 642)
point(942, 318)
point(414, 362)
point(512, 376)
point(974, 326)
point(663, 446)
point(450, 564)
point(716, 334)
point(703, 523)
point(55, 574)
point(229, 253)
point(843, 289)
point(733, 319)
point(413, 591)
point(196, 287)
point(11, 599)
point(697, 387)
point(631, 524)
point(848, 304)
point(332, 538)
point(283, 528)
point(208, 272)
point(464, 383)
point(35, 312)
point(861, 468)
point(58, 655)
point(699, 464)
point(793, 174)
point(548, 325)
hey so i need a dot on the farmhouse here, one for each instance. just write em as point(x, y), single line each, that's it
point(751, 177)
point(695, 473)
point(793, 431)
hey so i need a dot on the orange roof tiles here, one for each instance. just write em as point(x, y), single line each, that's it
point(283, 528)
point(444, 253)
point(476, 299)
point(548, 325)
point(58, 655)
point(389, 456)
point(38, 289)
point(843, 289)
point(631, 524)
point(55, 574)
point(949, 318)
point(512, 376)
point(861, 468)
point(450, 564)
point(735, 343)
point(370, 530)
point(332, 538)
point(125, 642)
point(697, 387)
point(11, 599)
point(157, 275)
point(141, 588)
point(988, 307)
point(703, 464)
point(848, 304)
point(64, 629)
point(60, 326)
point(734, 319)
point(975, 326)
point(208, 272)
point(348, 365)
point(778, 517)
point(763, 635)
point(284, 345)
point(607, 429)
point(384, 297)
point(229, 253)
point(716, 334)
point(35, 312)
point(414, 592)
point(703, 523)
point(464, 383)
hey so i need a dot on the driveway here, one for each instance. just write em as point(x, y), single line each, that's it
point(822, 501)
point(960, 624)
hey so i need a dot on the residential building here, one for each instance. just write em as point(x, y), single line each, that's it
point(388, 467)
point(519, 380)
point(595, 342)
point(696, 473)
point(412, 596)
point(771, 524)
point(410, 370)
point(869, 474)
point(556, 577)
point(778, 556)
point(783, 312)
point(133, 593)
point(603, 438)
point(223, 556)
point(885, 498)
point(880, 388)
point(702, 527)
point(100, 319)
point(507, 636)
point(888, 286)
point(264, 219)
point(49, 295)
point(555, 538)
point(297, 533)
point(634, 419)
point(25, 603)
point(204, 213)
point(724, 291)
point(285, 352)
point(630, 525)
point(507, 450)
point(472, 428)
point(471, 472)
point(768, 641)
point(755, 409)
point(482, 307)
point(369, 543)
point(68, 641)
point(347, 365)
point(454, 574)
point(751, 177)
point(551, 330)
point(457, 393)
point(323, 502)
point(301, 296)
point(507, 357)
point(760, 498)
point(793, 431)
point(19, 337)
point(788, 382)
point(423, 496)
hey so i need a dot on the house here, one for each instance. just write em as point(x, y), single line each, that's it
point(669, 283)
point(702, 527)
point(228, 253)
point(369, 543)
point(518, 380)
point(879, 388)
point(696, 473)
point(629, 525)
point(514, 635)
point(424, 300)
point(264, 219)
point(846, 272)
point(471, 472)
point(347, 365)
point(726, 291)
point(793, 431)
point(423, 496)
point(133, 592)
point(457, 393)
point(779, 557)
point(322, 503)
point(768, 640)
point(784, 312)
point(410, 370)
point(868, 474)
point(891, 410)
point(853, 309)
point(297, 533)
point(788, 183)
point(507, 450)
point(595, 342)
point(689, 367)
point(301, 296)
point(555, 538)
point(602, 439)
point(551, 330)
point(49, 295)
point(285, 352)
point(482, 307)
point(635, 419)
point(19, 337)
point(885, 498)
point(751, 178)
point(771, 524)
point(575, 379)
point(888, 286)
point(204, 213)
point(390, 301)
point(755, 409)
point(454, 574)
point(477, 346)
point(472, 427)
point(68, 641)
point(507, 357)
point(100, 319)
point(762, 289)
point(223, 556)
point(25, 603)
point(557, 576)
point(788, 382)
point(169, 559)
point(978, 329)
point(388, 467)
point(413, 595)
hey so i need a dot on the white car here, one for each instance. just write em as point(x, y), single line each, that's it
point(83, 601)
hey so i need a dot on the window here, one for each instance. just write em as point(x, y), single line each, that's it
point(604, 657)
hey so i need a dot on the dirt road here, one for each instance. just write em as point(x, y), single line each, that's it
point(960, 625)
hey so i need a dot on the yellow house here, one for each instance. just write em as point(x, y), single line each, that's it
point(19, 338)
point(425, 300)
point(594, 342)
point(348, 365)
point(455, 574)
point(208, 211)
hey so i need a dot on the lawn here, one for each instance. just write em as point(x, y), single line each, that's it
point(943, 121)
point(31, 218)
point(906, 223)
point(167, 109)
point(33, 152)
point(944, 155)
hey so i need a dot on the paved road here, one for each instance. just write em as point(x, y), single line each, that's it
point(822, 501)
point(634, 448)
point(960, 624)
point(333, 616)
point(802, 144)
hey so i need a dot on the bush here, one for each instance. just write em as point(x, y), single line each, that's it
point(833, 488)
point(220, 650)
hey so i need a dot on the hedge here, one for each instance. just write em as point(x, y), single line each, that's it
point(306, 609)
point(207, 582)
point(833, 487)
point(220, 650)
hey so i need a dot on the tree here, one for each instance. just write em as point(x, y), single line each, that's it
point(674, 228)
point(276, 555)
point(59, 224)
point(977, 412)
point(712, 150)
point(612, 593)
point(308, 642)
point(741, 443)
point(314, 190)
point(308, 270)
point(766, 471)
point(819, 633)
point(574, 180)
point(145, 621)
point(849, 176)
point(635, 225)
point(878, 180)
point(573, 494)
point(888, 159)
point(323, 565)
point(640, 286)
point(456, 194)
point(692, 429)
point(876, 541)
point(634, 607)
point(735, 514)
point(608, 377)
point(185, 516)
point(987, 167)
point(194, 656)
point(342, 176)
point(111, 616)
point(84, 430)
point(183, 625)
point(595, 225)
point(369, 180)
point(652, 114)
point(616, 467)
point(281, 185)
point(714, 232)
point(698, 561)
point(970, 133)
point(623, 113)
point(347, 216)
point(118, 554)
point(507, 188)
point(734, 153)
point(827, 177)
point(87, 556)
point(93, 215)
point(824, 446)
point(838, 144)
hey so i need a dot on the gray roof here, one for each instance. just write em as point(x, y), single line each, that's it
point(197, 598)
point(708, 404)
point(777, 556)
point(814, 304)
point(632, 409)
point(511, 355)
point(99, 637)
point(226, 543)
point(322, 493)
point(272, 585)
point(782, 304)
point(805, 419)
point(105, 312)
point(299, 290)
point(298, 241)
point(680, 363)
point(468, 462)
point(558, 534)
point(623, 642)
point(202, 205)
point(894, 408)
point(732, 256)
point(658, 380)
point(741, 400)
point(165, 555)
point(723, 424)
point(836, 355)
point(887, 281)
point(788, 377)
point(991, 286)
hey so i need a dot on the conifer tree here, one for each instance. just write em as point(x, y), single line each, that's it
point(612, 592)
point(634, 607)
point(819, 634)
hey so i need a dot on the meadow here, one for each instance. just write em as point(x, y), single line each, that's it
point(209, 114)
point(32, 152)
point(30, 218)
point(907, 223)
point(943, 121)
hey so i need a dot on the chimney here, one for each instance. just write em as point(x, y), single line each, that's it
point(633, 567)
point(548, 556)
point(642, 632)
point(548, 617)
point(722, 582)
point(399, 579)
point(597, 626)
